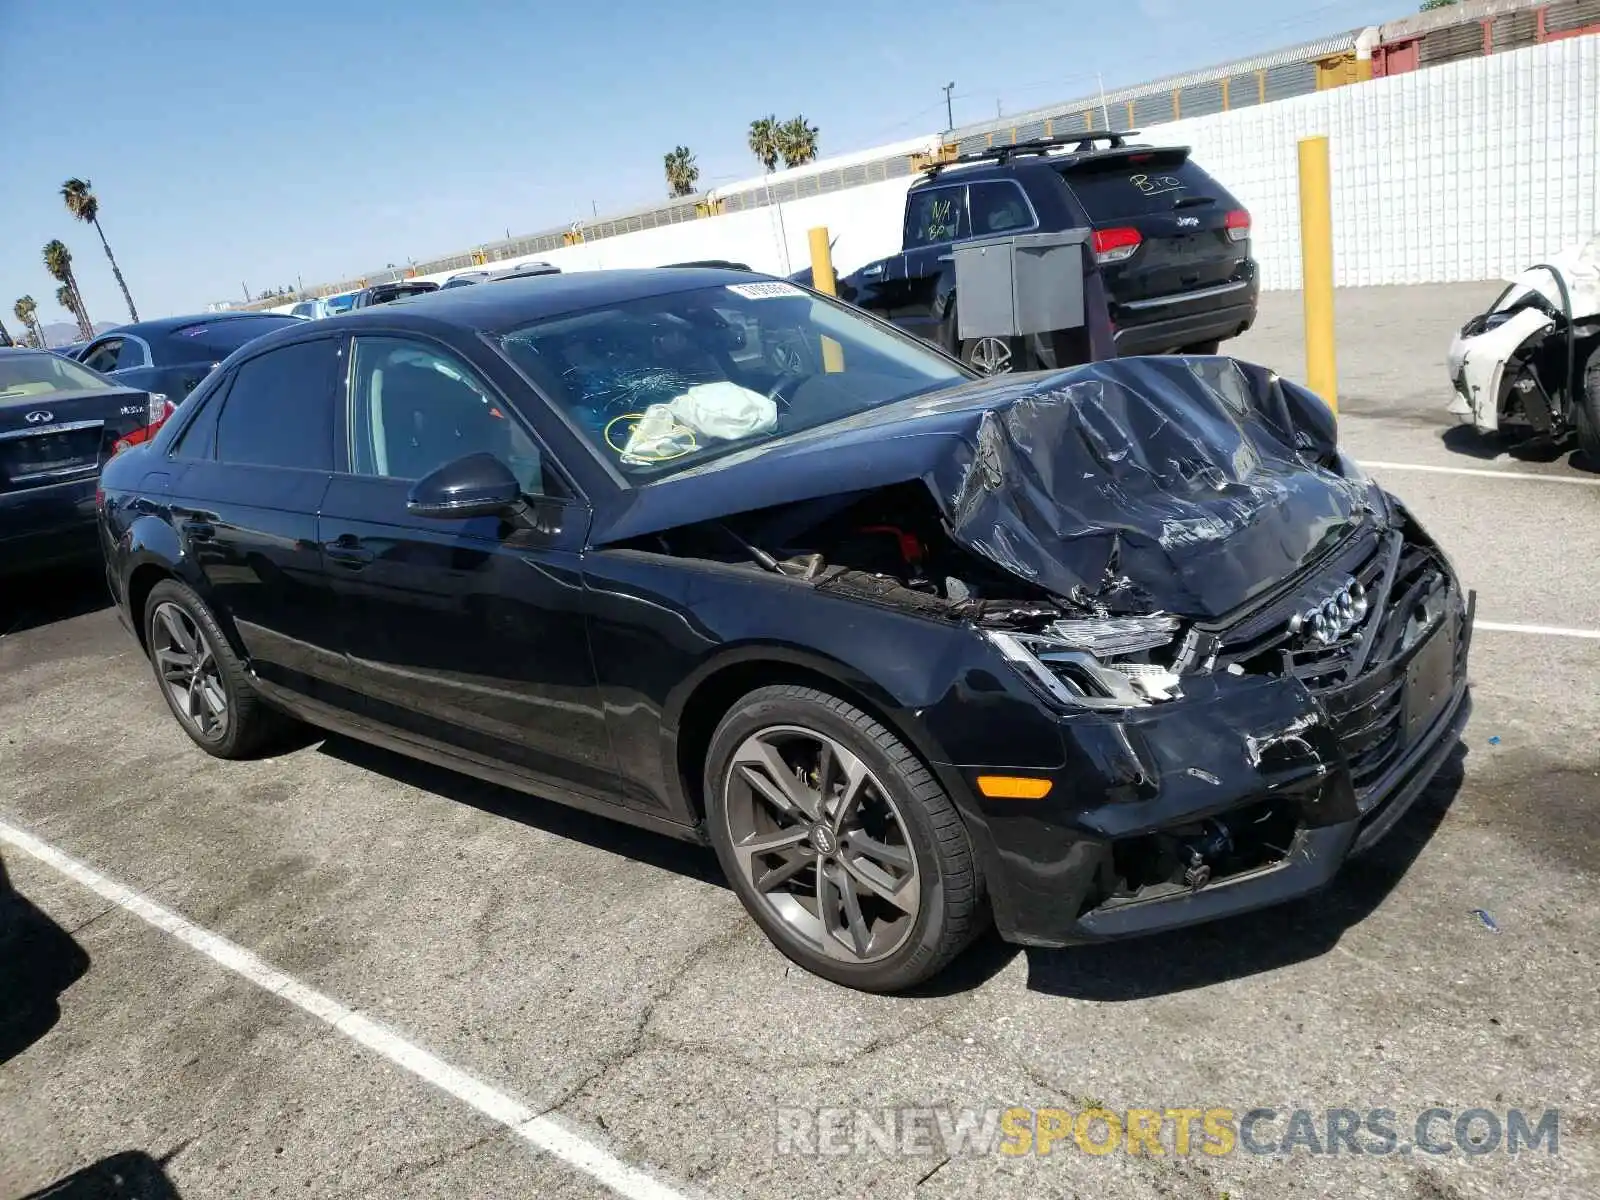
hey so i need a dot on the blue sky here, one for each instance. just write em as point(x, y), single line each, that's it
point(253, 143)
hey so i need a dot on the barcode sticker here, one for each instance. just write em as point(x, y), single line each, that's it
point(764, 291)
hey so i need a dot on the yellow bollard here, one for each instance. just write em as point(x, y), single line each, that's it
point(822, 262)
point(822, 279)
point(1316, 259)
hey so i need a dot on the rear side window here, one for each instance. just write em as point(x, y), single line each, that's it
point(1120, 187)
point(998, 206)
point(279, 409)
point(131, 354)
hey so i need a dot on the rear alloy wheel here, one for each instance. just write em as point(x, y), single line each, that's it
point(841, 845)
point(189, 672)
point(203, 681)
point(989, 355)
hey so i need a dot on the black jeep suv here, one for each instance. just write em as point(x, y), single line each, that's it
point(1171, 244)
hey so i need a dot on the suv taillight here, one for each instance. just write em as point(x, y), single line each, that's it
point(1114, 245)
point(1238, 225)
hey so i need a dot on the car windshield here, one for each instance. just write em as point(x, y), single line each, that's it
point(339, 304)
point(35, 374)
point(665, 382)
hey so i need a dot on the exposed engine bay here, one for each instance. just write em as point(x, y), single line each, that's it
point(1529, 368)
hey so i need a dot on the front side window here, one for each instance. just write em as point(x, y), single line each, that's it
point(935, 215)
point(35, 373)
point(413, 408)
point(663, 382)
point(279, 408)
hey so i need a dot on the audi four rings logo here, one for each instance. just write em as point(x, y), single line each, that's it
point(39, 416)
point(1329, 619)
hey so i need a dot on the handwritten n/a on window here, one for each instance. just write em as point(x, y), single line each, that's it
point(940, 225)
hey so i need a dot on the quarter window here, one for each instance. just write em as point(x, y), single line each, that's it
point(279, 410)
point(413, 408)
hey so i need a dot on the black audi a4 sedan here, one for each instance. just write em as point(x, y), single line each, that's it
point(1090, 654)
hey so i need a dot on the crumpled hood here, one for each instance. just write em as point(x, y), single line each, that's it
point(1183, 484)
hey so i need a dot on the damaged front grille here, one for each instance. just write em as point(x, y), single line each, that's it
point(1361, 676)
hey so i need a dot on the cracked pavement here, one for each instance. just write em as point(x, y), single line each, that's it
point(607, 976)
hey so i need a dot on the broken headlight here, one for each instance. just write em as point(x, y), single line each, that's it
point(1103, 663)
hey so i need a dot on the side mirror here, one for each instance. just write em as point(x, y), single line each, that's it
point(478, 485)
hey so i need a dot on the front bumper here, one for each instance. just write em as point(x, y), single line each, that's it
point(48, 526)
point(1256, 758)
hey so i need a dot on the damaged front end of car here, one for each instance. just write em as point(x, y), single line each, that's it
point(1526, 367)
point(1253, 658)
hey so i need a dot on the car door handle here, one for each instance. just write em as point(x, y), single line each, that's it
point(347, 552)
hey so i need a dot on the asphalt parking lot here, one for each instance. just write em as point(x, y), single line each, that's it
point(605, 994)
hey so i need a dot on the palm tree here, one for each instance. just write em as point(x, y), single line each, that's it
point(682, 174)
point(58, 261)
point(797, 142)
point(69, 301)
point(82, 204)
point(764, 141)
point(27, 310)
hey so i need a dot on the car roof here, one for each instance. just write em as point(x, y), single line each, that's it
point(161, 325)
point(512, 303)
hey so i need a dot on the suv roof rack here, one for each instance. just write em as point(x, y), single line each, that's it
point(1081, 143)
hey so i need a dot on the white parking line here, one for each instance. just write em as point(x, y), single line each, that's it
point(1479, 472)
point(542, 1133)
point(1544, 630)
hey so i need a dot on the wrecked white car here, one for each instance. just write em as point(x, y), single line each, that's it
point(1530, 367)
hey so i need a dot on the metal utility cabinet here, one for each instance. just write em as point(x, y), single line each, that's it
point(1022, 284)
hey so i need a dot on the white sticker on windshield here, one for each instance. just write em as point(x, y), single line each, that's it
point(764, 291)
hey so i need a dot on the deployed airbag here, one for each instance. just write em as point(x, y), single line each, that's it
point(716, 411)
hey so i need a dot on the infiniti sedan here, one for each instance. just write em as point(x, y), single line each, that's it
point(1086, 654)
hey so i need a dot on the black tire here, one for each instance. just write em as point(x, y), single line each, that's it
point(1586, 411)
point(951, 904)
point(250, 725)
point(1210, 347)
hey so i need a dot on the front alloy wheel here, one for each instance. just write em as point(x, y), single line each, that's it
point(822, 844)
point(839, 841)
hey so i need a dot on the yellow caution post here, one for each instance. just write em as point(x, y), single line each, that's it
point(822, 279)
point(822, 262)
point(1316, 258)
